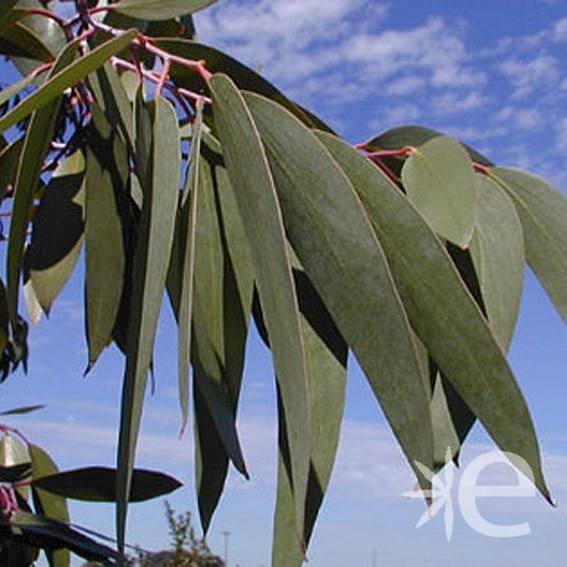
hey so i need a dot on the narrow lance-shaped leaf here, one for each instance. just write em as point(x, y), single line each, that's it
point(543, 213)
point(36, 144)
point(497, 250)
point(442, 312)
point(189, 201)
point(65, 76)
point(250, 176)
point(98, 484)
point(224, 366)
point(50, 505)
point(334, 241)
point(160, 9)
point(150, 271)
point(52, 254)
point(326, 364)
point(440, 181)
point(106, 178)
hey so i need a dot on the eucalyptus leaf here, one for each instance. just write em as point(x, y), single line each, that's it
point(440, 181)
point(543, 212)
point(160, 9)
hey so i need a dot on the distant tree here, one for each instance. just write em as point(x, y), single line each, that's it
point(187, 549)
point(184, 173)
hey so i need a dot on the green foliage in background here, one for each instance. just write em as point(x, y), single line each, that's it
point(183, 173)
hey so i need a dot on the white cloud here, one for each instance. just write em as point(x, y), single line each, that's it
point(560, 30)
point(528, 75)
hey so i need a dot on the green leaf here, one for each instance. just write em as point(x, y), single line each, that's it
point(543, 213)
point(9, 161)
point(334, 241)
point(160, 9)
point(442, 311)
point(188, 224)
point(7, 93)
point(411, 135)
point(497, 250)
point(326, 368)
point(18, 40)
point(54, 534)
point(219, 62)
point(440, 181)
point(50, 505)
point(258, 205)
point(224, 364)
point(23, 410)
point(57, 231)
point(98, 484)
point(66, 75)
point(150, 270)
point(105, 187)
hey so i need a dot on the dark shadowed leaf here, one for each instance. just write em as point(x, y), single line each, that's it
point(334, 241)
point(160, 9)
point(9, 161)
point(259, 209)
point(150, 271)
point(53, 534)
point(23, 410)
point(497, 250)
point(18, 40)
point(440, 181)
point(543, 212)
point(98, 484)
point(442, 312)
point(52, 254)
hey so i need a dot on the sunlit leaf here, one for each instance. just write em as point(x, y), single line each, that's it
point(160, 9)
point(326, 368)
point(440, 181)
point(47, 504)
point(497, 250)
point(258, 205)
point(442, 312)
point(105, 185)
point(334, 241)
point(65, 76)
point(543, 213)
point(150, 272)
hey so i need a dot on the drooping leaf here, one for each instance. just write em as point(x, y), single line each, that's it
point(188, 224)
point(18, 40)
point(150, 271)
point(219, 62)
point(543, 212)
point(9, 160)
point(161, 9)
point(326, 367)
point(105, 186)
point(442, 311)
point(36, 144)
point(53, 534)
point(259, 209)
point(412, 135)
point(349, 271)
point(52, 254)
point(65, 75)
point(225, 364)
point(98, 484)
point(440, 181)
point(497, 250)
point(50, 505)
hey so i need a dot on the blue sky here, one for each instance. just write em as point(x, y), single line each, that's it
point(491, 73)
